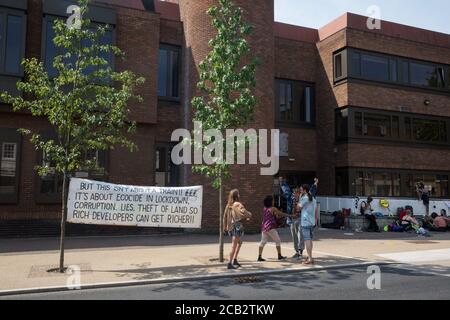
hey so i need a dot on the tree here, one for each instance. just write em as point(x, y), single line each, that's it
point(85, 102)
point(226, 100)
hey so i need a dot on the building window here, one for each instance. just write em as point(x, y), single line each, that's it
point(391, 126)
point(389, 183)
point(169, 64)
point(9, 165)
point(166, 173)
point(374, 67)
point(342, 124)
point(427, 75)
point(390, 69)
point(338, 66)
point(12, 41)
point(427, 130)
point(50, 184)
point(295, 102)
point(51, 50)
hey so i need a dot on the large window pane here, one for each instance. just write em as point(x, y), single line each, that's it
point(307, 105)
point(342, 124)
point(395, 131)
point(338, 66)
point(374, 67)
point(355, 63)
point(13, 44)
point(2, 34)
point(393, 70)
point(358, 124)
point(427, 130)
point(424, 75)
point(8, 167)
point(442, 186)
point(359, 184)
point(408, 128)
point(51, 50)
point(404, 65)
point(168, 72)
point(294, 102)
point(376, 125)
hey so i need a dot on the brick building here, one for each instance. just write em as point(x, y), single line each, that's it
point(367, 111)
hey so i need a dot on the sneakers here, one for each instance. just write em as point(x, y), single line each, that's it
point(282, 258)
point(236, 263)
point(231, 267)
point(296, 256)
point(260, 259)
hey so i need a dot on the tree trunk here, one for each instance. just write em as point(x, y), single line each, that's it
point(221, 222)
point(63, 222)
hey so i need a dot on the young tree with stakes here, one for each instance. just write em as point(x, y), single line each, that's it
point(85, 102)
point(225, 99)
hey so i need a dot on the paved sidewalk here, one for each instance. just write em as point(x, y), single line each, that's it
point(24, 262)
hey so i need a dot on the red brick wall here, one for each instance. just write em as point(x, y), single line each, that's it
point(198, 30)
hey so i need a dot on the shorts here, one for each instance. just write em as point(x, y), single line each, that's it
point(273, 233)
point(308, 233)
point(237, 230)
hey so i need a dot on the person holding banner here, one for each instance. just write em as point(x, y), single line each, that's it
point(233, 217)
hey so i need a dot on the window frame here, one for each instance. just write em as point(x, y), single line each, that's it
point(172, 171)
point(55, 197)
point(348, 74)
point(297, 108)
point(352, 172)
point(52, 17)
point(179, 50)
point(353, 136)
point(10, 135)
point(16, 12)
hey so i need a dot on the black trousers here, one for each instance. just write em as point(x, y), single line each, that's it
point(373, 226)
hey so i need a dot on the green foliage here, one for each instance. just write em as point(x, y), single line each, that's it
point(226, 82)
point(86, 103)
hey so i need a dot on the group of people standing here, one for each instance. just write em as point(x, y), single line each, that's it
point(300, 215)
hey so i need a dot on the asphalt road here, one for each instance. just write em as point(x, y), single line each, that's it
point(397, 282)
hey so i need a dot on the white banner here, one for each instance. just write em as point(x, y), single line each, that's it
point(95, 202)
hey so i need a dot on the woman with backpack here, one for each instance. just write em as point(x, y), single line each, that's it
point(269, 227)
point(233, 217)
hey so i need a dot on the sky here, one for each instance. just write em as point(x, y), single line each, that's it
point(427, 14)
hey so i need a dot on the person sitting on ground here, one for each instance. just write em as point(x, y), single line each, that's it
point(409, 222)
point(440, 223)
point(366, 208)
point(269, 227)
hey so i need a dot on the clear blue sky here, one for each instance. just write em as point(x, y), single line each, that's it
point(427, 14)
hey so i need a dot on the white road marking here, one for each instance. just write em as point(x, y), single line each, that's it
point(418, 256)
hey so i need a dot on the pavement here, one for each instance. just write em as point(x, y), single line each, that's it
point(396, 283)
point(131, 260)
